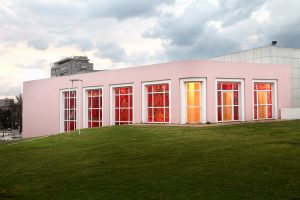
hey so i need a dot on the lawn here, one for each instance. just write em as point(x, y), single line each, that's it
point(246, 161)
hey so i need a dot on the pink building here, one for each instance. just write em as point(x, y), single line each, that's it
point(178, 92)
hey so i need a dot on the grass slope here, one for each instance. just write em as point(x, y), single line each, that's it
point(249, 161)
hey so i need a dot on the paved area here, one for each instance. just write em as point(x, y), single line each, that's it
point(9, 136)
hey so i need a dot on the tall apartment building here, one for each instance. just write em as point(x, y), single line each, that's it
point(71, 65)
point(272, 54)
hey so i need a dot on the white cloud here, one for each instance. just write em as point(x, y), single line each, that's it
point(36, 33)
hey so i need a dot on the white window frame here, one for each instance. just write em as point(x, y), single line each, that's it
point(202, 96)
point(112, 105)
point(85, 104)
point(241, 98)
point(61, 108)
point(144, 103)
point(274, 97)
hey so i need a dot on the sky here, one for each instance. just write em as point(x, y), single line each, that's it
point(123, 33)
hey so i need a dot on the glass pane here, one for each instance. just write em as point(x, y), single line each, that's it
point(95, 92)
point(263, 86)
point(255, 112)
point(235, 86)
point(150, 117)
point(95, 102)
point(165, 87)
point(95, 115)
point(158, 115)
point(262, 112)
point(227, 113)
point(158, 88)
point(66, 94)
point(100, 98)
point(66, 115)
point(117, 117)
point(219, 86)
point(219, 114)
point(149, 100)
point(66, 103)
point(166, 114)
point(72, 115)
point(89, 102)
point(149, 88)
point(193, 115)
point(124, 100)
point(193, 98)
point(123, 90)
point(226, 86)
point(89, 125)
point(129, 90)
point(72, 125)
point(255, 97)
point(117, 103)
point(100, 111)
point(73, 94)
point(270, 115)
point(66, 126)
point(166, 100)
point(269, 97)
point(236, 97)
point(236, 112)
point(72, 103)
point(219, 98)
point(130, 115)
point(124, 115)
point(130, 101)
point(117, 91)
point(95, 124)
point(191, 86)
point(262, 97)
point(227, 98)
point(158, 100)
point(89, 114)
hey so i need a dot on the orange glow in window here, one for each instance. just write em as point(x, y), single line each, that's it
point(193, 98)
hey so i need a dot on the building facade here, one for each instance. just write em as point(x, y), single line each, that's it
point(272, 54)
point(6, 103)
point(177, 93)
point(71, 65)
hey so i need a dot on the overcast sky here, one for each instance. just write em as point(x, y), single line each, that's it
point(124, 33)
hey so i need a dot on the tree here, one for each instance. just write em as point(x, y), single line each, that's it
point(11, 117)
point(19, 110)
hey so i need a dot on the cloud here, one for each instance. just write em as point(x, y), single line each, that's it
point(233, 11)
point(206, 29)
point(128, 33)
point(123, 9)
point(110, 50)
point(9, 88)
point(39, 64)
point(38, 44)
point(82, 42)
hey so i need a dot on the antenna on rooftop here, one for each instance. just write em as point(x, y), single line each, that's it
point(274, 42)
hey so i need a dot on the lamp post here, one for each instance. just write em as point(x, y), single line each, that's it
point(79, 121)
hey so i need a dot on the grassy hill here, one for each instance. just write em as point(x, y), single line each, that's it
point(247, 161)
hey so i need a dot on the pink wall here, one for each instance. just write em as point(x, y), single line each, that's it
point(41, 114)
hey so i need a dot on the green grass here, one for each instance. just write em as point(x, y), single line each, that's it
point(246, 161)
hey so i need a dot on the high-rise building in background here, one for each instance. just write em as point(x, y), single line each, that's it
point(72, 65)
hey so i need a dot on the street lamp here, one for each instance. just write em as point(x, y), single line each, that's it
point(72, 81)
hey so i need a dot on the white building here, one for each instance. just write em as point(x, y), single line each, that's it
point(272, 54)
